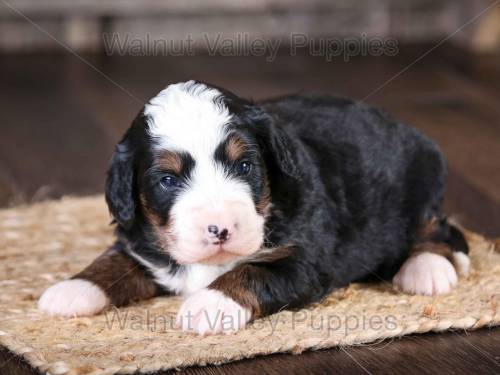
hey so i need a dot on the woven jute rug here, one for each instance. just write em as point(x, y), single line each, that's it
point(49, 241)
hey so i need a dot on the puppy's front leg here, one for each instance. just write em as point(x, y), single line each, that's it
point(113, 278)
point(250, 291)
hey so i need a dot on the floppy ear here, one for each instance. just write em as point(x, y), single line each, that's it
point(120, 186)
point(276, 144)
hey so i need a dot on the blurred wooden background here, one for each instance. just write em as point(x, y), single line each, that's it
point(80, 24)
point(60, 118)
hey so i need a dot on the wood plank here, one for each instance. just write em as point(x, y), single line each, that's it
point(49, 141)
point(416, 354)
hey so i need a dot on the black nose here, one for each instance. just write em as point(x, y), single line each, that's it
point(221, 236)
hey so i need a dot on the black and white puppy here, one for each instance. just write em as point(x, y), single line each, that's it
point(246, 208)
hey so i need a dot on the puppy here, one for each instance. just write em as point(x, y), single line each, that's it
point(248, 208)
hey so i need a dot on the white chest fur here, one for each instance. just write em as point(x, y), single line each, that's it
point(187, 279)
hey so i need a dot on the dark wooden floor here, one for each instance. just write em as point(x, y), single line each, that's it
point(59, 120)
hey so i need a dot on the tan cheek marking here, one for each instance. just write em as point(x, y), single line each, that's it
point(163, 231)
point(235, 148)
point(168, 161)
point(263, 206)
point(148, 213)
point(166, 237)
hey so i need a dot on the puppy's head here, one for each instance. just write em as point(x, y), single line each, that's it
point(194, 167)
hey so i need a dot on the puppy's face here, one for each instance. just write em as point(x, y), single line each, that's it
point(200, 176)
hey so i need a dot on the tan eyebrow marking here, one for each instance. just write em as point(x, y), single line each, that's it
point(170, 161)
point(235, 148)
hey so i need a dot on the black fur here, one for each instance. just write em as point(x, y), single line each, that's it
point(350, 189)
point(120, 195)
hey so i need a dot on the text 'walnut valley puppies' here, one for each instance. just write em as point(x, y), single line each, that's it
point(246, 208)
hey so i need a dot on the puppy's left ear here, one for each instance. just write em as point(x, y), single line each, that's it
point(120, 185)
point(275, 142)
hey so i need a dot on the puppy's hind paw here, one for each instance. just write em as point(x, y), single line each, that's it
point(461, 261)
point(426, 273)
point(75, 297)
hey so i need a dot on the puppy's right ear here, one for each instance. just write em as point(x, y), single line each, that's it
point(120, 195)
point(274, 142)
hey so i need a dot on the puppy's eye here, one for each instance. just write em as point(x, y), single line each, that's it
point(169, 182)
point(244, 167)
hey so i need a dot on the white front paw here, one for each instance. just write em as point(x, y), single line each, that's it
point(210, 312)
point(74, 297)
point(427, 274)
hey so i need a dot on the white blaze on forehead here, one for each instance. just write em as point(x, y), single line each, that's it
point(187, 117)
